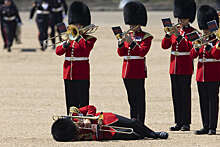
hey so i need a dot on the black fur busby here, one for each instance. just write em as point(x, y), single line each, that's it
point(64, 130)
point(79, 13)
point(205, 14)
point(185, 9)
point(135, 13)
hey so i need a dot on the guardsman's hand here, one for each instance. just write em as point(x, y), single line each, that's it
point(128, 39)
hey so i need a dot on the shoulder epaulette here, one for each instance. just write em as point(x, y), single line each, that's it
point(146, 35)
point(89, 37)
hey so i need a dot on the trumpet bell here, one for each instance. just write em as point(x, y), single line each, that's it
point(72, 32)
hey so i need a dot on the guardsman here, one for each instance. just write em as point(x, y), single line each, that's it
point(43, 9)
point(10, 19)
point(58, 13)
point(133, 48)
point(76, 68)
point(181, 63)
point(66, 129)
point(208, 71)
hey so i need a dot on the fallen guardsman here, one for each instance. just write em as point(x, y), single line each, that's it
point(85, 124)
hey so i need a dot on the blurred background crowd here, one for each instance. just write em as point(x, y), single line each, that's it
point(113, 5)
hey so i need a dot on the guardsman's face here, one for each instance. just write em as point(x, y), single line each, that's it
point(184, 21)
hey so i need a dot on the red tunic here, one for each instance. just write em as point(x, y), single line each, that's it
point(135, 68)
point(182, 64)
point(207, 71)
point(108, 118)
point(77, 70)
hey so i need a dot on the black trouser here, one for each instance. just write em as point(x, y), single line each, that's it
point(209, 103)
point(42, 21)
point(136, 98)
point(77, 93)
point(3, 34)
point(140, 130)
point(181, 93)
point(9, 28)
point(55, 18)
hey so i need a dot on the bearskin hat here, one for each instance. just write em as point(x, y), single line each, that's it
point(205, 14)
point(79, 13)
point(185, 9)
point(135, 13)
point(64, 130)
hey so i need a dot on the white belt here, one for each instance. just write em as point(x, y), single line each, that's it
point(42, 12)
point(132, 57)
point(57, 9)
point(76, 58)
point(208, 60)
point(9, 18)
point(175, 53)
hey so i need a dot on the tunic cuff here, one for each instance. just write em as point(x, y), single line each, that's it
point(120, 44)
point(66, 45)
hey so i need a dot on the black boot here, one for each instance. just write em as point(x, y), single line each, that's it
point(202, 131)
point(177, 127)
point(162, 135)
point(212, 132)
point(43, 45)
point(54, 47)
point(9, 49)
point(185, 128)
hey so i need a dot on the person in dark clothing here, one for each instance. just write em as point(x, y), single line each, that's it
point(67, 129)
point(10, 19)
point(43, 9)
point(2, 32)
point(58, 12)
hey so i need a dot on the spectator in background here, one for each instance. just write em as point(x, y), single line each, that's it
point(58, 13)
point(10, 19)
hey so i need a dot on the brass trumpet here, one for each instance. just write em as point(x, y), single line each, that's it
point(55, 117)
point(123, 35)
point(90, 29)
point(171, 30)
point(72, 33)
point(104, 128)
point(203, 40)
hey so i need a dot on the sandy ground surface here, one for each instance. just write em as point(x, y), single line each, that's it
point(32, 89)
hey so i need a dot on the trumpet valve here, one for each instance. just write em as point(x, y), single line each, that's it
point(197, 44)
point(119, 36)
